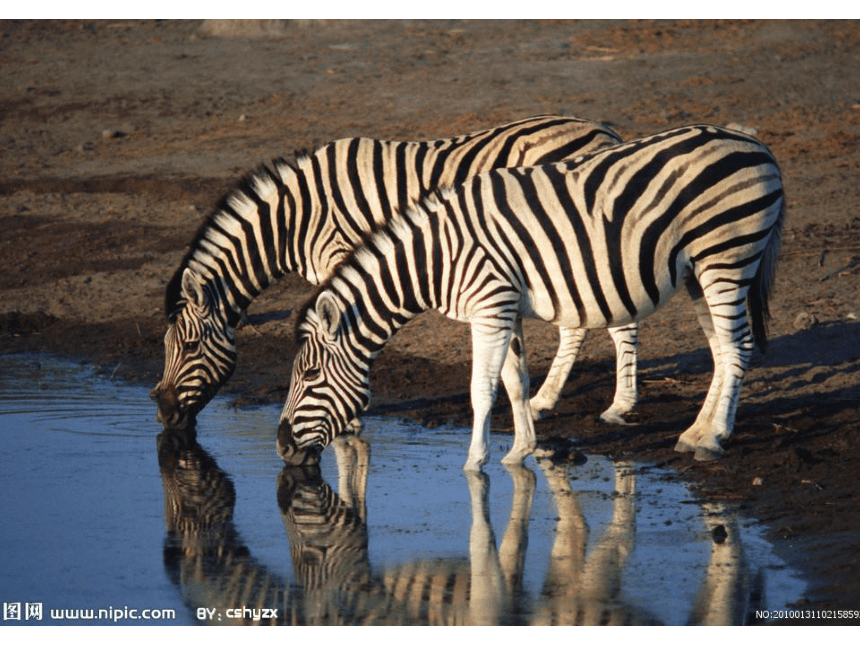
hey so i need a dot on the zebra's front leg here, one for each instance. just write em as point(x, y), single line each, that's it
point(490, 339)
point(569, 343)
point(626, 340)
point(515, 376)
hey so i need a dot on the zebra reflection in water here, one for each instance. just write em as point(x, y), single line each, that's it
point(335, 583)
point(204, 554)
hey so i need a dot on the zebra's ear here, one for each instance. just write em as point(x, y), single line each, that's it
point(192, 290)
point(328, 314)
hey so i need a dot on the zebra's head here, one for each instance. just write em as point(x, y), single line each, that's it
point(199, 353)
point(330, 383)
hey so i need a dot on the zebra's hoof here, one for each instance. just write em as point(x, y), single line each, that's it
point(614, 418)
point(709, 453)
point(538, 413)
point(516, 457)
point(685, 446)
point(475, 464)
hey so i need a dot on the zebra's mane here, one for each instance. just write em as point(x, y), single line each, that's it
point(173, 300)
point(246, 187)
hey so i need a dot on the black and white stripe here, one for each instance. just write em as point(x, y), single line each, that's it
point(602, 241)
point(308, 217)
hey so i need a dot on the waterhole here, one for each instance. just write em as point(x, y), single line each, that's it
point(107, 520)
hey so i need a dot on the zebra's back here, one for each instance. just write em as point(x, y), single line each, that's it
point(607, 239)
point(351, 187)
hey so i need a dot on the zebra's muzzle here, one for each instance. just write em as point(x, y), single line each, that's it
point(291, 453)
point(169, 414)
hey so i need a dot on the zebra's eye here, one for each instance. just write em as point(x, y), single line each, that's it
point(191, 345)
point(312, 373)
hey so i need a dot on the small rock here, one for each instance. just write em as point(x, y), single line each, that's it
point(242, 117)
point(746, 129)
point(804, 321)
point(111, 133)
point(757, 481)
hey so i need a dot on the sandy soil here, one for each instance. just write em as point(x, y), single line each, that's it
point(118, 137)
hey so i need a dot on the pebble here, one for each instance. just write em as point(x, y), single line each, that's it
point(804, 321)
point(757, 481)
point(746, 129)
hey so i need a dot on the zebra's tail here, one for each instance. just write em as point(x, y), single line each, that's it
point(758, 296)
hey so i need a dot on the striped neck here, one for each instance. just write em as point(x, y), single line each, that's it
point(389, 280)
point(254, 237)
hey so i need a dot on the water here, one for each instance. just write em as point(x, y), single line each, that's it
point(100, 512)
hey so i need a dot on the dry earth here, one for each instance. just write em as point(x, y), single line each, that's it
point(118, 137)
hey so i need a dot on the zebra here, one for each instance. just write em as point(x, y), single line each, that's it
point(308, 217)
point(603, 240)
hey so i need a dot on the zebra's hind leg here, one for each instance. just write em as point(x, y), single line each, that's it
point(689, 440)
point(515, 376)
point(735, 352)
point(570, 341)
point(626, 340)
point(722, 315)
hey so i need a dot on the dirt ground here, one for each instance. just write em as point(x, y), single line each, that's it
point(118, 137)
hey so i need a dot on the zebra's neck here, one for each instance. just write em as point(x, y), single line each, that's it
point(255, 236)
point(398, 273)
point(305, 218)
